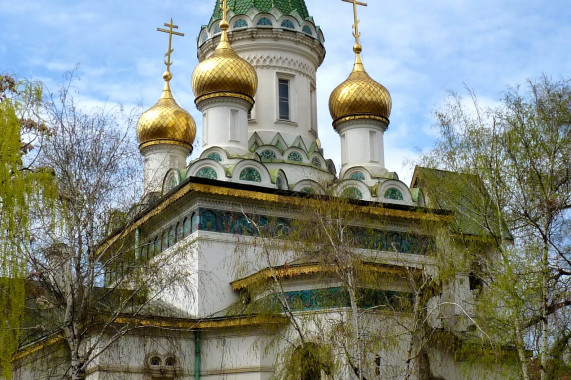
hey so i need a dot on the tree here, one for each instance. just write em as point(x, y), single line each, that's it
point(355, 322)
point(19, 102)
point(520, 152)
point(85, 292)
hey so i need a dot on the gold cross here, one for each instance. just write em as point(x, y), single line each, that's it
point(225, 8)
point(170, 31)
point(356, 33)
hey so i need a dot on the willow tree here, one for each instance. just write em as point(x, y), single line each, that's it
point(521, 153)
point(368, 303)
point(19, 102)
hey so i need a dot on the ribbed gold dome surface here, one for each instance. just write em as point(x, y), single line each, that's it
point(166, 122)
point(359, 97)
point(224, 73)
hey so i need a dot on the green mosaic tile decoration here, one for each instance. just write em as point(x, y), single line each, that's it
point(352, 193)
point(316, 162)
point(287, 24)
point(250, 174)
point(393, 193)
point(207, 173)
point(215, 157)
point(241, 23)
point(268, 155)
point(264, 21)
point(295, 156)
point(241, 7)
point(359, 176)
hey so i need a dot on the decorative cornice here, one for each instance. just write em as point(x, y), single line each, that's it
point(381, 119)
point(296, 43)
point(214, 95)
point(305, 269)
point(252, 195)
point(171, 323)
point(165, 142)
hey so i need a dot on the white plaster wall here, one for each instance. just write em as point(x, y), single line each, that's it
point(274, 54)
point(225, 124)
point(362, 145)
point(159, 159)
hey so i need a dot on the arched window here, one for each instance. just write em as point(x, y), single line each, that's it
point(294, 156)
point(308, 190)
point(217, 29)
point(280, 183)
point(352, 193)
point(186, 227)
point(171, 237)
point(195, 220)
point(287, 24)
point(307, 30)
point(155, 362)
point(145, 252)
point(264, 21)
point(215, 156)
point(204, 36)
point(157, 245)
point(165, 241)
point(393, 193)
point(241, 23)
point(316, 162)
point(250, 174)
point(358, 176)
point(206, 173)
point(179, 232)
point(268, 155)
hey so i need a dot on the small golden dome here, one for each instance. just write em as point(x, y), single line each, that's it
point(359, 97)
point(224, 73)
point(166, 122)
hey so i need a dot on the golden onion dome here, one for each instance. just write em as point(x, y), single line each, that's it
point(359, 96)
point(166, 122)
point(224, 73)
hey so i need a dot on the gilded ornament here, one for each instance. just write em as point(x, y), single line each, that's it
point(359, 96)
point(224, 73)
point(166, 122)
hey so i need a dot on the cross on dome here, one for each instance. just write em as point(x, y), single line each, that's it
point(170, 32)
point(356, 33)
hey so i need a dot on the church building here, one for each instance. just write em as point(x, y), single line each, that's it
point(242, 302)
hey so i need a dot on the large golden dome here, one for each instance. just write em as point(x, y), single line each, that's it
point(166, 122)
point(359, 97)
point(224, 73)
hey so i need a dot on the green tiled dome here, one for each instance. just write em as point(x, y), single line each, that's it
point(240, 7)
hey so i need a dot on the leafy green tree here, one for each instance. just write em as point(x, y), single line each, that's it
point(520, 152)
point(19, 102)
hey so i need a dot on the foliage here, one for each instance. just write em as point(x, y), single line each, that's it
point(95, 164)
point(520, 152)
point(18, 101)
point(369, 297)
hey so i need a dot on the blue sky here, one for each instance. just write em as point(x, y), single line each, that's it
point(418, 49)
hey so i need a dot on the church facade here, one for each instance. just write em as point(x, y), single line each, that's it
point(261, 164)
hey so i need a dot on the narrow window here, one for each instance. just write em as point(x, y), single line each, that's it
point(313, 110)
point(204, 128)
point(373, 146)
point(283, 97)
point(233, 126)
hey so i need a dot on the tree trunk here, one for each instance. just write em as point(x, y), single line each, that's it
point(521, 349)
point(544, 274)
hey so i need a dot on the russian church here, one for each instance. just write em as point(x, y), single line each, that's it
point(260, 159)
